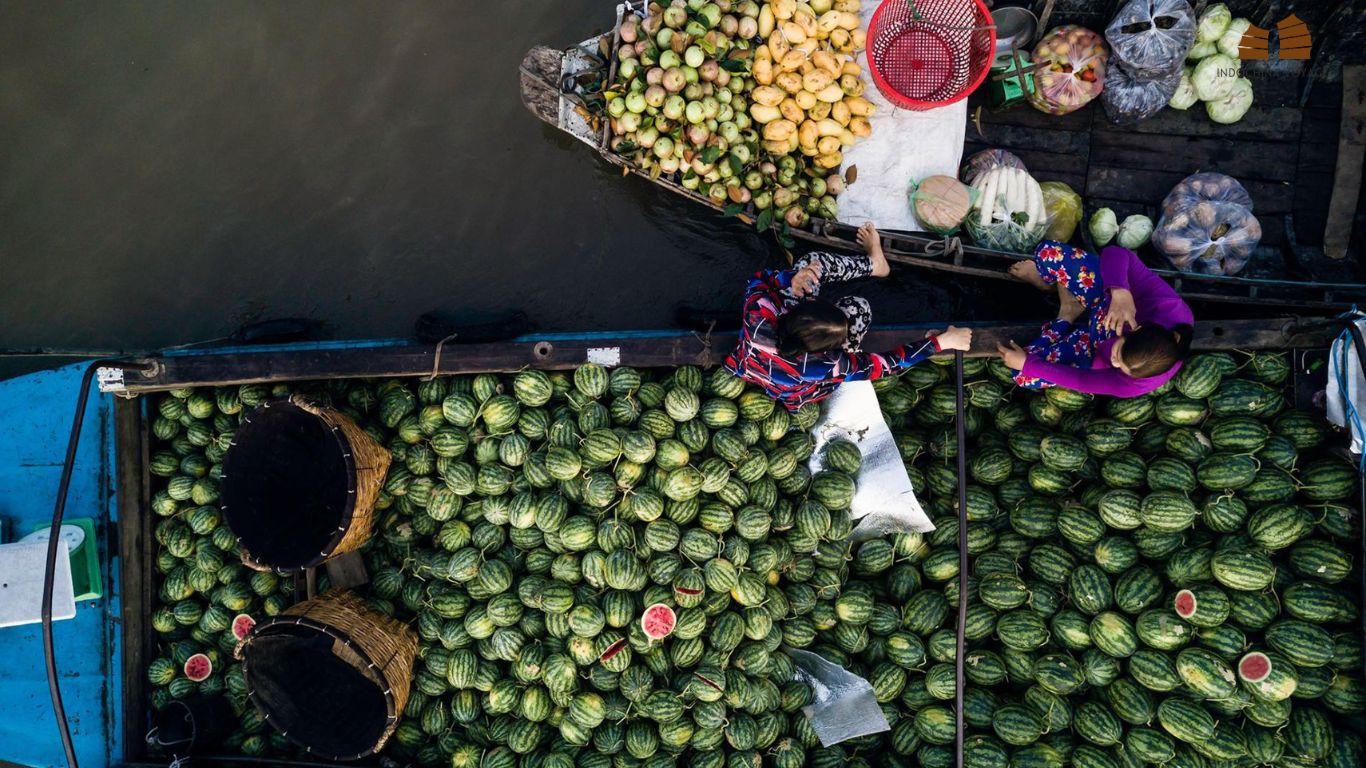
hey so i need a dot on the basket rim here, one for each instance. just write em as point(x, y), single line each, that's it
point(920, 104)
point(390, 700)
point(348, 458)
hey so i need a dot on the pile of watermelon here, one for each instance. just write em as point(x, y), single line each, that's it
point(605, 567)
point(1165, 580)
point(207, 599)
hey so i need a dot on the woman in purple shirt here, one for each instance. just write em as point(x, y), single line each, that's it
point(1134, 334)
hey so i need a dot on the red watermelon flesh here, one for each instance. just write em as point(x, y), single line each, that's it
point(1185, 604)
point(658, 621)
point(198, 667)
point(1254, 667)
point(612, 650)
point(241, 626)
point(689, 591)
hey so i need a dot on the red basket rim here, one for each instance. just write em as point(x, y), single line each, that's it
point(905, 102)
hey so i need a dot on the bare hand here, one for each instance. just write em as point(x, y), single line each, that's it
point(956, 339)
point(1122, 311)
point(1013, 356)
point(807, 281)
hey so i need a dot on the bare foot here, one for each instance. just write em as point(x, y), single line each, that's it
point(1025, 271)
point(872, 245)
point(1069, 306)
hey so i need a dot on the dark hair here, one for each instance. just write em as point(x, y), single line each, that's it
point(811, 327)
point(1152, 350)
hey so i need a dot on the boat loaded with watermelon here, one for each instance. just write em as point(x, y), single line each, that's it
point(584, 91)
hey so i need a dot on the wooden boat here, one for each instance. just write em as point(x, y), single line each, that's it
point(1129, 169)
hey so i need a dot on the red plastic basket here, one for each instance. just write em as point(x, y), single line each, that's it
point(928, 53)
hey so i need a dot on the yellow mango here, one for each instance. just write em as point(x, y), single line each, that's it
point(763, 70)
point(764, 115)
point(792, 111)
point(789, 81)
point(779, 130)
point(830, 93)
point(793, 61)
point(808, 133)
point(816, 81)
point(766, 21)
point(860, 106)
point(778, 46)
point(805, 99)
point(783, 9)
point(840, 111)
point(829, 127)
point(826, 61)
point(820, 111)
point(827, 145)
point(829, 160)
point(860, 127)
point(768, 95)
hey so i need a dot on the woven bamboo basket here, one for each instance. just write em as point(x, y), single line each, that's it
point(299, 485)
point(331, 674)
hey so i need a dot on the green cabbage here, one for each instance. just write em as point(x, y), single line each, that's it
point(1201, 50)
point(1214, 77)
point(1233, 36)
point(1134, 231)
point(1104, 224)
point(1233, 105)
point(1213, 23)
point(1185, 96)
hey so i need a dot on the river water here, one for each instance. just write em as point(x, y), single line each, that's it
point(173, 170)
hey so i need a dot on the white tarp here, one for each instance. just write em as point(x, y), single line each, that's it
point(884, 501)
point(845, 706)
point(905, 146)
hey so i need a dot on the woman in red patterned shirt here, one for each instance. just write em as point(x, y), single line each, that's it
point(800, 348)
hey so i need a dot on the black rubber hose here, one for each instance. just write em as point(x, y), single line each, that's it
point(54, 536)
point(959, 681)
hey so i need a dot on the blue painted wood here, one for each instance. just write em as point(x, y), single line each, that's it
point(35, 421)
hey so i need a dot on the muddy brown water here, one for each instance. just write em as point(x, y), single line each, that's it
point(170, 171)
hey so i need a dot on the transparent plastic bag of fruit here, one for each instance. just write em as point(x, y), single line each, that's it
point(941, 203)
point(884, 501)
point(845, 706)
point(1206, 185)
point(1152, 37)
point(1070, 69)
point(1209, 237)
point(1131, 98)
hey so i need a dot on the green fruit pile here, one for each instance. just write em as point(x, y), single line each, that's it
point(1129, 559)
point(202, 586)
point(1164, 580)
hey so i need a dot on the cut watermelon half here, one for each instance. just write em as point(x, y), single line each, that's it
point(658, 621)
point(1185, 604)
point(198, 667)
point(612, 650)
point(1254, 667)
point(241, 626)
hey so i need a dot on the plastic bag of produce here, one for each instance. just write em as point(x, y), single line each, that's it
point(1205, 185)
point(1070, 69)
point(983, 161)
point(1009, 213)
point(845, 705)
point(884, 501)
point(941, 203)
point(1210, 237)
point(1131, 98)
point(1064, 210)
point(1152, 37)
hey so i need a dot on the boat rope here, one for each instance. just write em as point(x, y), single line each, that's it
point(706, 340)
point(950, 247)
point(436, 358)
point(959, 682)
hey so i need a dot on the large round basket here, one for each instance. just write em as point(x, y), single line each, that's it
point(924, 54)
point(299, 485)
point(331, 674)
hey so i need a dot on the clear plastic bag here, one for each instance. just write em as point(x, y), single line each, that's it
point(1070, 69)
point(1064, 208)
point(1131, 98)
point(845, 705)
point(1210, 237)
point(941, 203)
point(1206, 185)
point(1152, 37)
point(983, 161)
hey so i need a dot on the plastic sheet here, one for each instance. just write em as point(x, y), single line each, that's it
point(884, 501)
point(1130, 98)
point(845, 706)
point(1152, 37)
